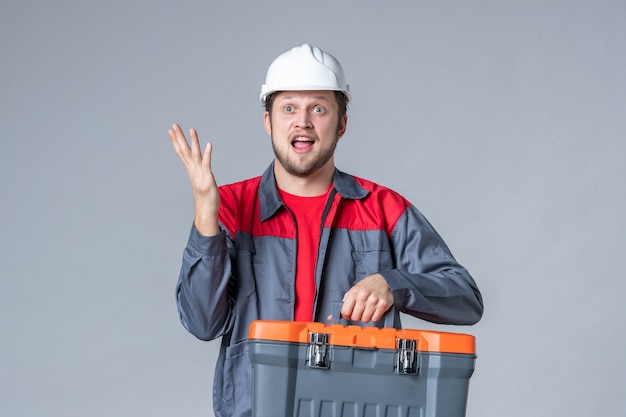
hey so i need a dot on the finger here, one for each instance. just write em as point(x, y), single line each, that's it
point(206, 158)
point(381, 309)
point(172, 132)
point(196, 153)
point(179, 142)
point(347, 308)
point(176, 133)
point(358, 310)
point(369, 311)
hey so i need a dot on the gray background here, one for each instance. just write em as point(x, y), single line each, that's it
point(503, 121)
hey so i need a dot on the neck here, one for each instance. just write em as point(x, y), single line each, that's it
point(311, 185)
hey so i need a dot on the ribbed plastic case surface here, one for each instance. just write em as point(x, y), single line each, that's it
point(316, 370)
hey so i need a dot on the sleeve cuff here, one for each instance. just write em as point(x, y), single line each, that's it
point(209, 245)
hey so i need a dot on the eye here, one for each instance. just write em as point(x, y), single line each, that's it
point(288, 108)
point(319, 109)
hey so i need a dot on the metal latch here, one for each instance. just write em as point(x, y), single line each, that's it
point(407, 359)
point(318, 351)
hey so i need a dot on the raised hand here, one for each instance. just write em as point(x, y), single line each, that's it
point(203, 185)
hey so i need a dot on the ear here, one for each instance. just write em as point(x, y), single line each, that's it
point(267, 122)
point(343, 125)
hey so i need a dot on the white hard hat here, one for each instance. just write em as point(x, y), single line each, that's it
point(304, 67)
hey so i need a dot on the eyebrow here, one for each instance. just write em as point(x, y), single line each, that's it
point(314, 98)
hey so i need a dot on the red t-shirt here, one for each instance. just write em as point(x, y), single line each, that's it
point(308, 214)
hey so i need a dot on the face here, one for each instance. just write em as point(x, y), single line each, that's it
point(305, 128)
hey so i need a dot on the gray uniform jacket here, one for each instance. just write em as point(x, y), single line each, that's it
point(247, 272)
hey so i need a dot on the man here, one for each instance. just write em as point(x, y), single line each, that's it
point(305, 241)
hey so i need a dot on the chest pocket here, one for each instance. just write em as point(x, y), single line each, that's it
point(371, 253)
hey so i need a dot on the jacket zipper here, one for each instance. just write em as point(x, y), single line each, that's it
point(318, 290)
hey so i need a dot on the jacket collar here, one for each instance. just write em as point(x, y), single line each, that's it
point(270, 201)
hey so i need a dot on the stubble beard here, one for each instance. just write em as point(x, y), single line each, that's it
point(307, 165)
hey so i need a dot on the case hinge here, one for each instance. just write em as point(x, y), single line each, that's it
point(318, 351)
point(407, 358)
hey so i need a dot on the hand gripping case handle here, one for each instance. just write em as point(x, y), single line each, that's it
point(388, 320)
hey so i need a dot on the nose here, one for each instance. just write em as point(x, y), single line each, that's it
point(303, 120)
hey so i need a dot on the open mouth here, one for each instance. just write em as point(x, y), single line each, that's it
point(302, 143)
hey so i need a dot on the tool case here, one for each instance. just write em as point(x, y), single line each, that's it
point(302, 369)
